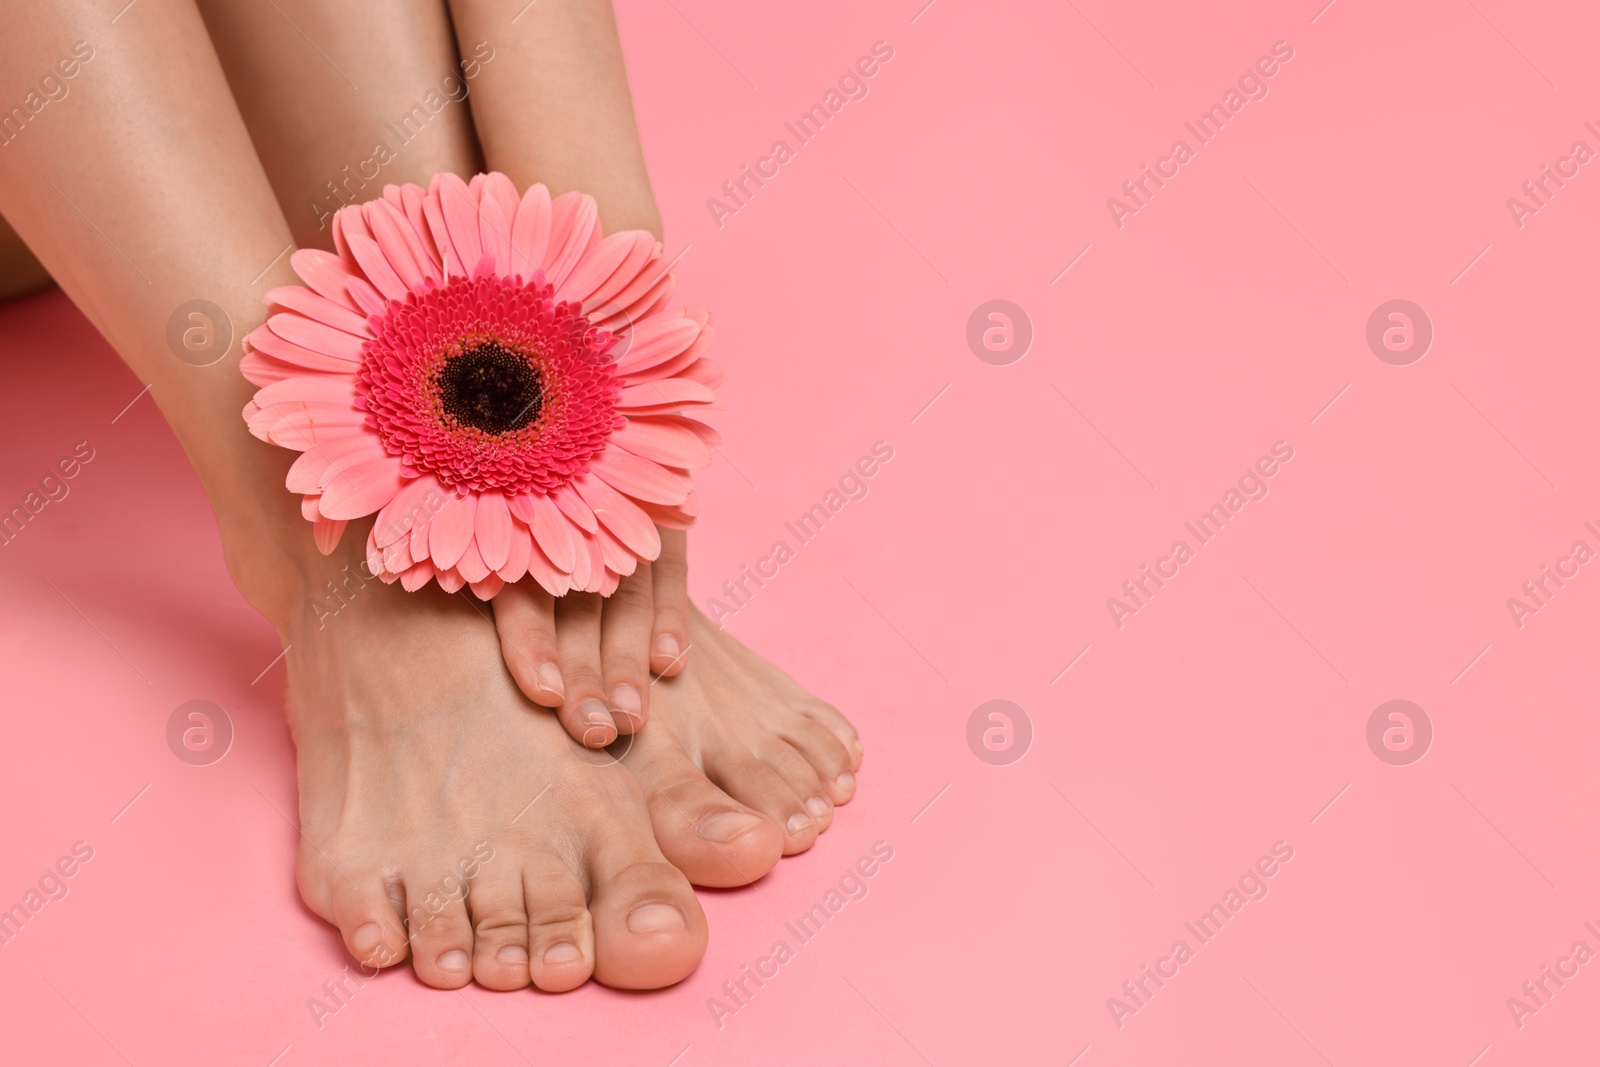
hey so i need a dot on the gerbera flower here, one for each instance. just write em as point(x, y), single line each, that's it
point(499, 381)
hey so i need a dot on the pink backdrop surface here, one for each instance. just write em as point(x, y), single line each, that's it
point(1155, 756)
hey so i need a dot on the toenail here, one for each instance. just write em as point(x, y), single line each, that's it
point(550, 680)
point(366, 938)
point(512, 954)
point(798, 822)
point(818, 808)
point(667, 646)
point(625, 701)
point(564, 952)
point(652, 918)
point(727, 825)
point(454, 960)
point(845, 781)
point(594, 713)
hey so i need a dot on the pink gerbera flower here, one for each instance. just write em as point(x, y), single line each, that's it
point(499, 381)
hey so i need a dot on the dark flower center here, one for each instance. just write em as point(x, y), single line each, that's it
point(490, 389)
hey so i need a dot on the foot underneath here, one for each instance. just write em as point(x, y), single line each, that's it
point(447, 820)
point(740, 765)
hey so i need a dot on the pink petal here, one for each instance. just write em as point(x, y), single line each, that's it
point(326, 533)
point(554, 532)
point(521, 547)
point(297, 355)
point(410, 507)
point(325, 272)
point(471, 565)
point(401, 245)
point(639, 478)
point(644, 255)
point(417, 576)
point(494, 231)
point(621, 516)
point(586, 560)
point(541, 570)
point(572, 505)
point(667, 441)
point(574, 219)
point(450, 581)
point(376, 266)
point(315, 306)
point(656, 340)
point(433, 210)
point(361, 489)
point(460, 207)
point(595, 267)
point(705, 371)
point(306, 472)
point(616, 555)
point(451, 530)
point(530, 233)
point(412, 197)
point(366, 297)
point(317, 336)
point(668, 391)
point(486, 589)
point(493, 529)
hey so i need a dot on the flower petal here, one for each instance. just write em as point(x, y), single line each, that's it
point(595, 267)
point(460, 208)
point(530, 233)
point(639, 478)
point(574, 220)
point(656, 340)
point(493, 530)
point(665, 393)
point(668, 441)
point(520, 548)
point(451, 530)
point(376, 266)
point(572, 505)
point(319, 308)
point(644, 255)
point(361, 489)
point(554, 532)
point(621, 516)
point(324, 272)
point(317, 336)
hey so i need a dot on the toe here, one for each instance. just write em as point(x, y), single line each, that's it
point(624, 650)
point(827, 756)
point(649, 931)
point(499, 930)
point(584, 712)
point(365, 913)
point(560, 932)
point(833, 720)
point(750, 780)
point(441, 932)
point(795, 769)
point(670, 575)
point(705, 833)
point(525, 616)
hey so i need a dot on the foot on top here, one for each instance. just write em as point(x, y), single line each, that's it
point(740, 766)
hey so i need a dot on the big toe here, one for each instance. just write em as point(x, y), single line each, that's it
point(712, 838)
point(649, 931)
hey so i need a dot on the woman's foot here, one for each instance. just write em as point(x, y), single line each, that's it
point(740, 765)
point(435, 799)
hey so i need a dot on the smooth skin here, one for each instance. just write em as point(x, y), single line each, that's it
point(417, 748)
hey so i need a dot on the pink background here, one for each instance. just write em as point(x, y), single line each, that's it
point(1224, 717)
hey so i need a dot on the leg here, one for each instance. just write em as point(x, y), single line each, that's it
point(555, 107)
point(413, 744)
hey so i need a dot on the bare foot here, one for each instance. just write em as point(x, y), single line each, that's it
point(740, 765)
point(446, 818)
